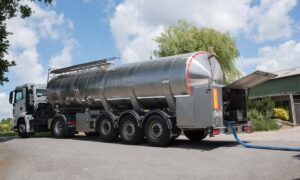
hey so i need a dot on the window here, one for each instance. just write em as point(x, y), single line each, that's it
point(19, 95)
point(40, 92)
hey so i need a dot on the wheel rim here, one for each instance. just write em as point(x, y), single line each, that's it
point(128, 129)
point(58, 127)
point(155, 129)
point(105, 127)
point(22, 128)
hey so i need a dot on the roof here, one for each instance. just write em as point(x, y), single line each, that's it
point(287, 72)
point(251, 80)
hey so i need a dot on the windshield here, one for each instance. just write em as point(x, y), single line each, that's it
point(40, 92)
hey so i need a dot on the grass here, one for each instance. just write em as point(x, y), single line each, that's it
point(12, 133)
point(8, 133)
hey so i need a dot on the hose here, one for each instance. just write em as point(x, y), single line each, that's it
point(247, 145)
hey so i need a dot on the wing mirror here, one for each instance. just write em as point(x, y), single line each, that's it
point(11, 97)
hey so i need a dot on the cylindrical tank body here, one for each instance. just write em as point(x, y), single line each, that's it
point(145, 81)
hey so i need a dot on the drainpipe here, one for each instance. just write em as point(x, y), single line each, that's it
point(292, 107)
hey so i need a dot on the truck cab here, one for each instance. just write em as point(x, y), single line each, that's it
point(26, 100)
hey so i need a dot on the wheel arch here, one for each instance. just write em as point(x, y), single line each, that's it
point(135, 114)
point(58, 116)
point(110, 115)
point(166, 116)
point(20, 119)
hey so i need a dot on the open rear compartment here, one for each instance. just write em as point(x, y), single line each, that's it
point(235, 98)
point(234, 106)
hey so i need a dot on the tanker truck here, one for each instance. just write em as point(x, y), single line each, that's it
point(154, 99)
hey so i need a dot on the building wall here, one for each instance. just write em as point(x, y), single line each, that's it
point(280, 86)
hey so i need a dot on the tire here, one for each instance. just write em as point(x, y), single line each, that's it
point(22, 129)
point(91, 134)
point(156, 131)
point(195, 135)
point(129, 131)
point(106, 129)
point(58, 128)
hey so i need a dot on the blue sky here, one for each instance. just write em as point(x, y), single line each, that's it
point(267, 33)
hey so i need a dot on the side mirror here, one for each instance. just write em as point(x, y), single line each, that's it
point(11, 97)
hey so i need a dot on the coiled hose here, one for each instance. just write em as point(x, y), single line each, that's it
point(247, 145)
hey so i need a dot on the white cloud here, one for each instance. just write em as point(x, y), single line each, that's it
point(270, 20)
point(64, 58)
point(5, 107)
point(273, 58)
point(27, 33)
point(135, 23)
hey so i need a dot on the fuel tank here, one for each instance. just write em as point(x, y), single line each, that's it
point(148, 83)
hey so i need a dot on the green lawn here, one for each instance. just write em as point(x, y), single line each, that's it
point(8, 133)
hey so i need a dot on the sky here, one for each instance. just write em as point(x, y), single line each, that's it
point(69, 32)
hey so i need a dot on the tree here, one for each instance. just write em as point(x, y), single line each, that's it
point(185, 37)
point(10, 9)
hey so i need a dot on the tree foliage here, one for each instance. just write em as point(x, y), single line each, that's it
point(185, 38)
point(10, 9)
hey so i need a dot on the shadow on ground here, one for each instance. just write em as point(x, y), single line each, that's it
point(6, 138)
point(204, 145)
point(297, 157)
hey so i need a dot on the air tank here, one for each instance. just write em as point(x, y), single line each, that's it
point(146, 83)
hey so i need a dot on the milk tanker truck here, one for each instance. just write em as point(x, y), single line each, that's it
point(154, 99)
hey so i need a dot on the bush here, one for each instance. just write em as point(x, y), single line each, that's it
point(262, 122)
point(263, 105)
point(281, 114)
point(4, 127)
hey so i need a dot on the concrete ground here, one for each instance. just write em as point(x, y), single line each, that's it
point(83, 157)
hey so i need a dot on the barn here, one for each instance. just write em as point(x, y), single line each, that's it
point(284, 89)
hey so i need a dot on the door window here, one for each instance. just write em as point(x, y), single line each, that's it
point(19, 95)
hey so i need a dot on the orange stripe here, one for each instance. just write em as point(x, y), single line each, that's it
point(215, 98)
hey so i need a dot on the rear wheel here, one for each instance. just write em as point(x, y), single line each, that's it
point(195, 135)
point(59, 128)
point(22, 129)
point(129, 131)
point(156, 131)
point(107, 130)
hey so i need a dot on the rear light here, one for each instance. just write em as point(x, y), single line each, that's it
point(215, 131)
point(246, 128)
point(72, 122)
point(215, 99)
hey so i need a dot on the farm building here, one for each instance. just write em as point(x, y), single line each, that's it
point(284, 89)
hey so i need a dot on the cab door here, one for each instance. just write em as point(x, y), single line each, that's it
point(19, 103)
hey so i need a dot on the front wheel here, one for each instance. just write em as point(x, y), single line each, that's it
point(59, 129)
point(156, 131)
point(22, 129)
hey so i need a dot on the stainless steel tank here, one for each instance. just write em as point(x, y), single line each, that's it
point(147, 82)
